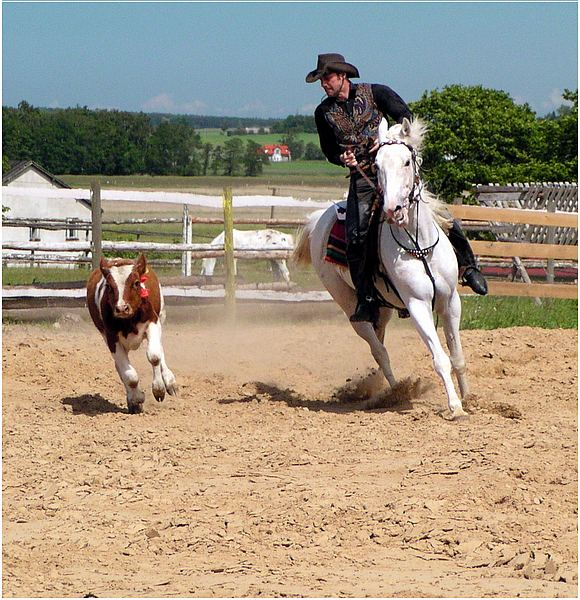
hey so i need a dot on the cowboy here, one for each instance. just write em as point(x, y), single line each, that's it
point(347, 122)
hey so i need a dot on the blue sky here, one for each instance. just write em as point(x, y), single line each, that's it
point(250, 58)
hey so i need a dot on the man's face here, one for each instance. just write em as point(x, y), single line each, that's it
point(332, 83)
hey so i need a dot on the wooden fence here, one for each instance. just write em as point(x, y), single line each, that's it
point(540, 250)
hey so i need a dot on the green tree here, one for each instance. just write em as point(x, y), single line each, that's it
point(559, 133)
point(172, 150)
point(20, 127)
point(313, 152)
point(217, 159)
point(295, 145)
point(233, 156)
point(253, 159)
point(476, 135)
point(206, 151)
point(295, 123)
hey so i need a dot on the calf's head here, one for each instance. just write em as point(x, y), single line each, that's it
point(125, 285)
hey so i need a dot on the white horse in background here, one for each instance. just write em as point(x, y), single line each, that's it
point(254, 240)
point(415, 256)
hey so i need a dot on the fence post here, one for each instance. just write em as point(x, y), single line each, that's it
point(186, 237)
point(550, 239)
point(230, 288)
point(96, 224)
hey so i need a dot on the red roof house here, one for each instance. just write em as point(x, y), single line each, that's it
point(277, 152)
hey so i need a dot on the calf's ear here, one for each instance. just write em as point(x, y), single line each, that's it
point(141, 264)
point(104, 266)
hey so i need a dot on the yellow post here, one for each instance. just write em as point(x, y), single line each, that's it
point(230, 291)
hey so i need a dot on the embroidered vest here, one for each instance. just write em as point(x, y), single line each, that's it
point(357, 128)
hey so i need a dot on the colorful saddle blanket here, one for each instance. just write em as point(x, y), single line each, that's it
point(336, 244)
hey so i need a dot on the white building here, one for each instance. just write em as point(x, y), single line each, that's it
point(28, 174)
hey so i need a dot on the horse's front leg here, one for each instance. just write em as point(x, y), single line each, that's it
point(163, 379)
point(130, 379)
point(422, 317)
point(451, 317)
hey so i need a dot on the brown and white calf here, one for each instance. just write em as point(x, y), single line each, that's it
point(126, 304)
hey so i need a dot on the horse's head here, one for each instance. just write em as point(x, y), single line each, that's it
point(398, 167)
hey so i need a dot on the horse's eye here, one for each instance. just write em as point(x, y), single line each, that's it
point(407, 162)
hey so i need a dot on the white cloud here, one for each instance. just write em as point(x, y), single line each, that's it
point(195, 107)
point(160, 103)
point(164, 102)
point(554, 100)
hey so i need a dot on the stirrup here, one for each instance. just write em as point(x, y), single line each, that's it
point(366, 311)
point(473, 278)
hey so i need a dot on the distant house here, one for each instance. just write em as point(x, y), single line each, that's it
point(277, 152)
point(28, 174)
point(256, 130)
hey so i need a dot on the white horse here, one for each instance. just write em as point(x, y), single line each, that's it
point(415, 256)
point(261, 238)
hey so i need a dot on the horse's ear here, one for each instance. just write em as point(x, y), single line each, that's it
point(383, 129)
point(406, 127)
point(141, 264)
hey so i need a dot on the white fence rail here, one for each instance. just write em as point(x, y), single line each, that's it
point(182, 198)
point(228, 202)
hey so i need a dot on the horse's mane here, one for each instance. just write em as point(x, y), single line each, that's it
point(414, 135)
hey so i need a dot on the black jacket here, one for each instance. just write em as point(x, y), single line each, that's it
point(388, 102)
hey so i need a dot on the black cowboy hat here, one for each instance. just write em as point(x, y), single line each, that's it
point(331, 63)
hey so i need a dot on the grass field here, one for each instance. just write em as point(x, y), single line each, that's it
point(310, 174)
point(217, 137)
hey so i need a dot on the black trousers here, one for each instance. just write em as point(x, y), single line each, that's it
point(359, 203)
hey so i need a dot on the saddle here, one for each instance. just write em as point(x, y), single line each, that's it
point(336, 254)
point(336, 244)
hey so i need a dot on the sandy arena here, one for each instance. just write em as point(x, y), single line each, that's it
point(266, 478)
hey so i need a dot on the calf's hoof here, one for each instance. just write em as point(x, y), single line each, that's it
point(159, 395)
point(135, 402)
point(173, 389)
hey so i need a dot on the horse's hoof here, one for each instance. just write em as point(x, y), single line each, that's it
point(457, 415)
point(135, 409)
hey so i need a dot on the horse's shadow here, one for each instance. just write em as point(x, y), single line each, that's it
point(91, 405)
point(352, 397)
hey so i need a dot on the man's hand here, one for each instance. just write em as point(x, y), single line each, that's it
point(349, 159)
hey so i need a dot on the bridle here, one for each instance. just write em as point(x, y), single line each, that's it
point(417, 187)
point(414, 197)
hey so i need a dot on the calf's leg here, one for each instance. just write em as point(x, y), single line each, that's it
point(130, 379)
point(163, 379)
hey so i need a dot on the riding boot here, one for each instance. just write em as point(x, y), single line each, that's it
point(366, 306)
point(469, 273)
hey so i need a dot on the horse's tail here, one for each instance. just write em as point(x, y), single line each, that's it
point(301, 253)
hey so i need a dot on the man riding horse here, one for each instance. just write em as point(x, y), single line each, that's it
point(347, 122)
